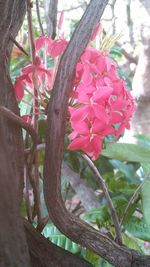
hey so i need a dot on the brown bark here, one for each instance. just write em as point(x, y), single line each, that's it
point(51, 17)
point(71, 226)
point(46, 254)
point(13, 247)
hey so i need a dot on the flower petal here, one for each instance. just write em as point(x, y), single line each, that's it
point(86, 77)
point(18, 89)
point(102, 93)
point(79, 143)
point(57, 47)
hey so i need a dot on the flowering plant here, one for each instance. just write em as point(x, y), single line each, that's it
point(99, 104)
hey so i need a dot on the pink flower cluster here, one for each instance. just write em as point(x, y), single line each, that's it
point(26, 78)
point(43, 75)
point(102, 105)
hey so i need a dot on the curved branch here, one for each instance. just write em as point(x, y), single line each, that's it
point(71, 226)
point(46, 254)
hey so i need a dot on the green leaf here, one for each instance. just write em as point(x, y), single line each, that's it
point(138, 228)
point(143, 140)
point(55, 236)
point(93, 258)
point(145, 194)
point(127, 152)
point(100, 214)
point(131, 242)
point(127, 169)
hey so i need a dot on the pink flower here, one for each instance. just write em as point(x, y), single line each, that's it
point(53, 47)
point(87, 139)
point(57, 47)
point(102, 105)
point(42, 41)
point(26, 78)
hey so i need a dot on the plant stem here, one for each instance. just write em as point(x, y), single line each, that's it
point(132, 199)
point(102, 184)
point(39, 17)
point(35, 110)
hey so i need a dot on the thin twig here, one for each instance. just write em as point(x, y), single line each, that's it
point(35, 180)
point(132, 199)
point(102, 184)
point(18, 45)
point(40, 227)
point(39, 17)
point(28, 206)
point(31, 34)
point(38, 148)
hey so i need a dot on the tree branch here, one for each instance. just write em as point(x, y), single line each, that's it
point(46, 254)
point(51, 17)
point(71, 226)
point(18, 45)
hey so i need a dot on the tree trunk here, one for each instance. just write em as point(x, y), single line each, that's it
point(13, 247)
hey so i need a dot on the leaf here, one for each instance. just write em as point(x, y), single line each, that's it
point(145, 194)
point(143, 140)
point(131, 242)
point(127, 169)
point(56, 237)
point(100, 214)
point(138, 228)
point(127, 152)
point(93, 258)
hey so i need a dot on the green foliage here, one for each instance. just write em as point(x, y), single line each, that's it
point(127, 169)
point(56, 237)
point(92, 258)
point(127, 152)
point(145, 194)
point(138, 228)
point(98, 216)
point(131, 242)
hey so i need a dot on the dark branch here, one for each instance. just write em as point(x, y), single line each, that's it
point(45, 254)
point(71, 226)
point(18, 45)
